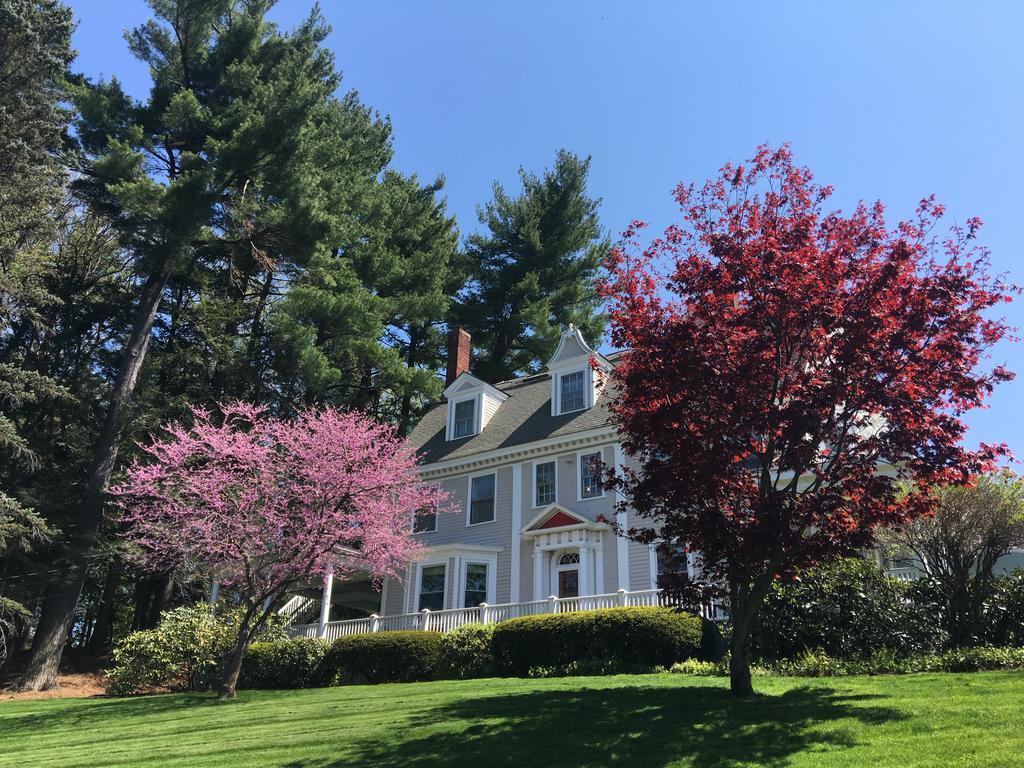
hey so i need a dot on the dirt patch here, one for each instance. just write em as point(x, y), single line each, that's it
point(77, 685)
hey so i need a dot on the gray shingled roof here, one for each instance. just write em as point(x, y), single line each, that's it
point(523, 418)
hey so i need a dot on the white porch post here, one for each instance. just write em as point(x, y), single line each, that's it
point(325, 602)
point(538, 571)
point(599, 588)
point(585, 571)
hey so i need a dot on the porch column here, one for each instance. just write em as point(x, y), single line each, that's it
point(538, 572)
point(325, 602)
point(585, 574)
point(599, 587)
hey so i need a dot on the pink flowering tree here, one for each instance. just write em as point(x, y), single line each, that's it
point(263, 504)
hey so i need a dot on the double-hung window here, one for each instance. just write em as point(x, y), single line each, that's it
point(432, 587)
point(673, 569)
point(464, 420)
point(476, 584)
point(481, 499)
point(425, 520)
point(571, 392)
point(590, 475)
point(544, 484)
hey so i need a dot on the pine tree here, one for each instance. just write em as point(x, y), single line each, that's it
point(35, 49)
point(239, 156)
point(534, 270)
point(362, 327)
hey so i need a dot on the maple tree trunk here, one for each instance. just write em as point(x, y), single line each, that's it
point(59, 607)
point(745, 601)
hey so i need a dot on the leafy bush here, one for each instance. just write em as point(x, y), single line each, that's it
point(185, 652)
point(983, 658)
point(849, 609)
point(695, 667)
point(466, 652)
point(385, 657)
point(1002, 621)
point(883, 662)
point(596, 642)
point(295, 663)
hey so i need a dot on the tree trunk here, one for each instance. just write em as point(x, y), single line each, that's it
point(143, 597)
point(745, 602)
point(164, 588)
point(233, 667)
point(59, 606)
point(101, 633)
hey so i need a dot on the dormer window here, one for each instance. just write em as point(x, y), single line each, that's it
point(573, 394)
point(464, 419)
point(577, 374)
point(471, 405)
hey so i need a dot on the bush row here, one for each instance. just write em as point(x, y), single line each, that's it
point(848, 609)
point(820, 664)
point(595, 642)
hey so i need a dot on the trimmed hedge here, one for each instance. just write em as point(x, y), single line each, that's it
point(605, 641)
point(385, 657)
point(295, 663)
point(466, 653)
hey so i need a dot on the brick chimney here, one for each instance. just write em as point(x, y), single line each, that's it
point(458, 354)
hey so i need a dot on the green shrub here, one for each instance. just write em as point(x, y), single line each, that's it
point(295, 663)
point(466, 652)
point(596, 642)
point(185, 652)
point(849, 609)
point(695, 667)
point(983, 658)
point(385, 657)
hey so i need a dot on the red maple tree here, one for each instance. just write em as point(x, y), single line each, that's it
point(790, 371)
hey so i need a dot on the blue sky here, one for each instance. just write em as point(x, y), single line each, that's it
point(888, 101)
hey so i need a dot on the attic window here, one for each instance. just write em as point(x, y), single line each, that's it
point(465, 413)
point(573, 397)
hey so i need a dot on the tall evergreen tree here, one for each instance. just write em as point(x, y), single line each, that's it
point(239, 154)
point(534, 270)
point(362, 327)
point(35, 49)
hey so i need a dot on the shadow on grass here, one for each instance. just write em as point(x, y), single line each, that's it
point(85, 713)
point(633, 726)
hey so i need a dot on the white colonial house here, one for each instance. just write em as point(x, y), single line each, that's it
point(522, 461)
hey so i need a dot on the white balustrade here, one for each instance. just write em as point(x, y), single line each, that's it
point(446, 621)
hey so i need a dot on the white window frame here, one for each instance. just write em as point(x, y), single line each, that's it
point(587, 385)
point(418, 583)
point(652, 550)
point(533, 485)
point(492, 576)
point(469, 498)
point(579, 474)
point(477, 406)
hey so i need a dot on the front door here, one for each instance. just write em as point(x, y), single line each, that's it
point(569, 583)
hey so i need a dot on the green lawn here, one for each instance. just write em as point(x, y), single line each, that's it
point(659, 720)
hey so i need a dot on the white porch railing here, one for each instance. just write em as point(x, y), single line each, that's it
point(445, 621)
point(903, 573)
point(296, 606)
